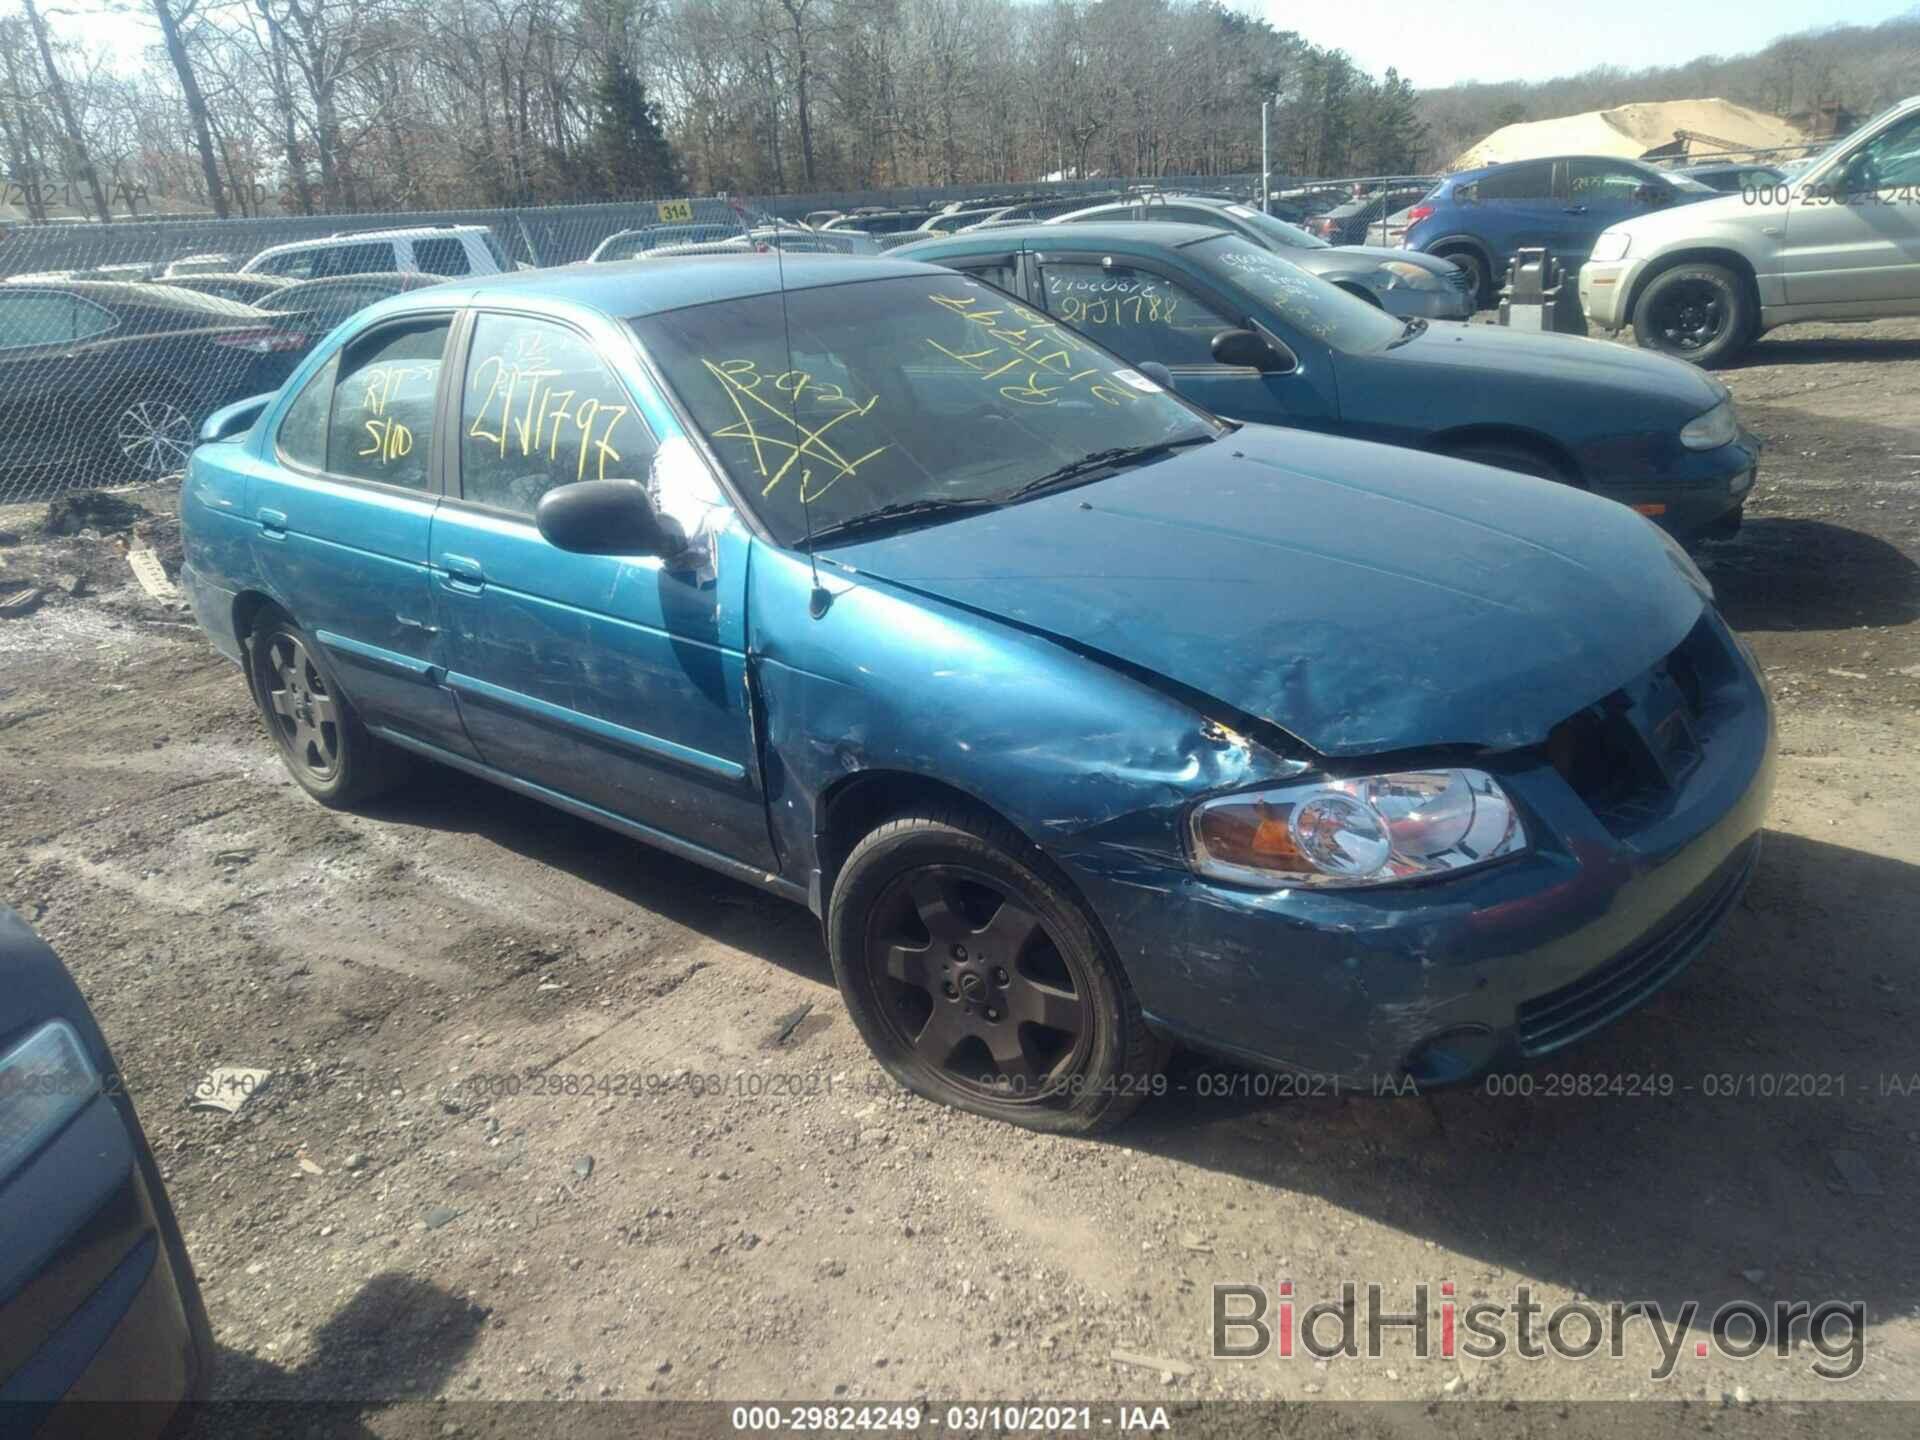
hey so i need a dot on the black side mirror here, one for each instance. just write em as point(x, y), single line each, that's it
point(607, 517)
point(1157, 373)
point(1652, 194)
point(1245, 350)
point(234, 419)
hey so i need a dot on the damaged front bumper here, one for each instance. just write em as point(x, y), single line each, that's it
point(1443, 980)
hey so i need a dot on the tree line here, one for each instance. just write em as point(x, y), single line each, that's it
point(247, 107)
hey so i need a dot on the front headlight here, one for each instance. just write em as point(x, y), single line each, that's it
point(43, 1081)
point(1373, 830)
point(1409, 273)
point(1611, 245)
point(1711, 430)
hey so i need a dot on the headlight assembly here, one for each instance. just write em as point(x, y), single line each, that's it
point(1407, 273)
point(1711, 430)
point(1611, 245)
point(1373, 830)
point(43, 1081)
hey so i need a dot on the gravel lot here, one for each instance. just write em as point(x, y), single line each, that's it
point(378, 1224)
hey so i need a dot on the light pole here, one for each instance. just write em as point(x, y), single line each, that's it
point(1264, 102)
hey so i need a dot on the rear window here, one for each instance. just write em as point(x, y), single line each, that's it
point(442, 255)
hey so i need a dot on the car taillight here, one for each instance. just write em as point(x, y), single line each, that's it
point(262, 342)
point(1419, 213)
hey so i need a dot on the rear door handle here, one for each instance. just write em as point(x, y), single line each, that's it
point(1576, 209)
point(463, 572)
point(273, 524)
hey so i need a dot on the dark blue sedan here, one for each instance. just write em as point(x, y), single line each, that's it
point(1084, 720)
point(98, 1301)
point(1246, 333)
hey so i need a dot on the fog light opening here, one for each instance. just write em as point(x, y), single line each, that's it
point(1452, 1055)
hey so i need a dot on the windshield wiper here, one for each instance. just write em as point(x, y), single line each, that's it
point(1413, 327)
point(1087, 466)
point(901, 512)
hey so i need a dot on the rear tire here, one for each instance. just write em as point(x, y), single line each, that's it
point(978, 981)
point(1700, 313)
point(148, 434)
point(1481, 288)
point(318, 733)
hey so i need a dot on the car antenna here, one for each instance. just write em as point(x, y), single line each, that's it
point(820, 598)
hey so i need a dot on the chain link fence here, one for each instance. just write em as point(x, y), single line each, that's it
point(117, 340)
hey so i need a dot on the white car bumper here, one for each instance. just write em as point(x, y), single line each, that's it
point(1604, 288)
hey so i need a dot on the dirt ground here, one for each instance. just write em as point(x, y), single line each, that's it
point(762, 1216)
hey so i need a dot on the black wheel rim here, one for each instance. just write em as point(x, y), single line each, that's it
point(155, 436)
point(973, 986)
point(1691, 315)
point(1476, 279)
point(305, 717)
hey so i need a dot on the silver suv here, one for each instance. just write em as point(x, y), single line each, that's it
point(1838, 241)
point(427, 249)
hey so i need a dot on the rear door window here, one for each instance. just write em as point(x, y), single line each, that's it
point(381, 428)
point(1531, 181)
point(43, 317)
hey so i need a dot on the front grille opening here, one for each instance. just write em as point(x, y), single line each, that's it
point(1600, 757)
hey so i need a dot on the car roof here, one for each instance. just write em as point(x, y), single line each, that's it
point(356, 237)
point(1134, 235)
point(629, 288)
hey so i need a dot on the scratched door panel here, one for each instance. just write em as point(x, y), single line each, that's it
point(341, 519)
point(616, 680)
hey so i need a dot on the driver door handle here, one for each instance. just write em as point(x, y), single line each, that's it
point(1576, 210)
point(463, 573)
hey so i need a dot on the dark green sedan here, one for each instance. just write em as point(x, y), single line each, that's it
point(1246, 334)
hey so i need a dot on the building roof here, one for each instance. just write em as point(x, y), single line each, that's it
point(1700, 127)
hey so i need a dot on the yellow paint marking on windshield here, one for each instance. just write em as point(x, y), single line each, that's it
point(1027, 344)
point(741, 379)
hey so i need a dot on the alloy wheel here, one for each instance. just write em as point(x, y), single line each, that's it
point(972, 985)
point(154, 436)
point(304, 712)
point(1691, 315)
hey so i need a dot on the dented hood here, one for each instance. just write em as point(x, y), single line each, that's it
point(1361, 597)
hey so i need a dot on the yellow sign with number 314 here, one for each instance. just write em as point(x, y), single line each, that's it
point(675, 209)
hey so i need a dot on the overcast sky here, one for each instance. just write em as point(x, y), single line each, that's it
point(1434, 43)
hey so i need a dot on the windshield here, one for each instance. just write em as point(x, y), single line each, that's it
point(1305, 302)
point(1277, 232)
point(926, 388)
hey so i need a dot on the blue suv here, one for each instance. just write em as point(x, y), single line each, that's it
point(1478, 218)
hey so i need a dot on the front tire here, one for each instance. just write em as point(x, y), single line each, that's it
point(1701, 313)
point(318, 733)
point(979, 982)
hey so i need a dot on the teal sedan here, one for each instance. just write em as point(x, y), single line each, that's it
point(1245, 333)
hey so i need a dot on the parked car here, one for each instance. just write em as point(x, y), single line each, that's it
point(1731, 179)
point(1400, 282)
point(1349, 223)
point(875, 221)
point(628, 244)
point(948, 221)
point(445, 250)
point(247, 289)
point(210, 263)
point(111, 380)
point(1841, 242)
point(303, 314)
point(1245, 333)
point(1084, 720)
point(98, 1301)
point(1478, 218)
